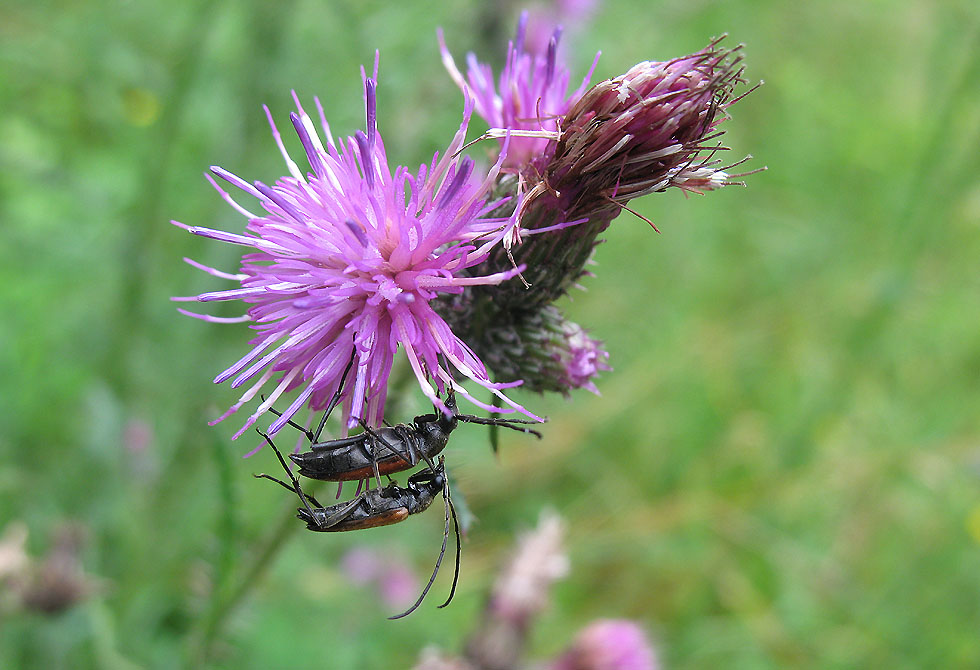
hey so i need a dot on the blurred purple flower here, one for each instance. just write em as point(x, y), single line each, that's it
point(396, 583)
point(532, 95)
point(13, 550)
point(142, 462)
point(609, 644)
point(520, 592)
point(361, 565)
point(521, 589)
point(137, 435)
point(346, 260)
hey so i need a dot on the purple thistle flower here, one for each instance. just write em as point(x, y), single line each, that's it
point(346, 260)
point(532, 95)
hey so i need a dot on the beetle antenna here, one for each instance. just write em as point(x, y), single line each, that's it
point(442, 464)
point(452, 509)
point(435, 571)
point(513, 424)
point(335, 400)
point(286, 486)
point(442, 552)
point(314, 436)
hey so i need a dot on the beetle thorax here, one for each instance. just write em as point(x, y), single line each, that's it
point(447, 424)
point(437, 434)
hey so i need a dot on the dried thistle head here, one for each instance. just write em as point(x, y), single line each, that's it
point(651, 128)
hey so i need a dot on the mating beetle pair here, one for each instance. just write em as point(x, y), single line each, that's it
point(381, 507)
point(379, 452)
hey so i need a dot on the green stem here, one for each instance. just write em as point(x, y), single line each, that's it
point(222, 605)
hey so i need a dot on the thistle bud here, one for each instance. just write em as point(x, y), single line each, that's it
point(643, 131)
point(544, 348)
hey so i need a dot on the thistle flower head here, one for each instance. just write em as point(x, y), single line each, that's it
point(651, 128)
point(532, 92)
point(345, 261)
point(644, 131)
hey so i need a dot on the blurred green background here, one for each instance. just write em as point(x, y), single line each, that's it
point(783, 469)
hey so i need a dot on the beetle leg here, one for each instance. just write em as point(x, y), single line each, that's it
point(374, 462)
point(407, 435)
point(335, 400)
point(413, 454)
point(305, 431)
point(283, 484)
point(387, 445)
point(428, 461)
point(296, 487)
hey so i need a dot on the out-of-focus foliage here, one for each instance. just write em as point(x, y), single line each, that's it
point(782, 470)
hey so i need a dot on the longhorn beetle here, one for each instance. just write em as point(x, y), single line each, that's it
point(390, 449)
point(381, 507)
point(384, 451)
